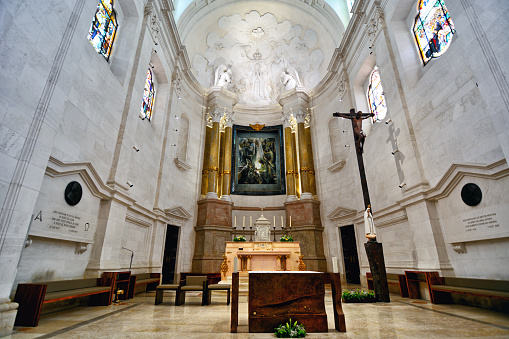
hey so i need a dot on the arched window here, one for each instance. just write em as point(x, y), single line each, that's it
point(433, 29)
point(103, 28)
point(149, 94)
point(376, 96)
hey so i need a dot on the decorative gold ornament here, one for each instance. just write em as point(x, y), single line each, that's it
point(224, 265)
point(257, 127)
point(302, 266)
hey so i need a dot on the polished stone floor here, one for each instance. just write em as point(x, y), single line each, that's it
point(140, 318)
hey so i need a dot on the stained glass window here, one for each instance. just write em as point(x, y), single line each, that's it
point(376, 96)
point(433, 29)
point(103, 28)
point(149, 94)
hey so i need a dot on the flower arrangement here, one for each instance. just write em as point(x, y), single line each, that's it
point(286, 238)
point(358, 296)
point(290, 330)
point(241, 238)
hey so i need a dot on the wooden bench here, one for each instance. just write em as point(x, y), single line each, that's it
point(148, 282)
point(396, 283)
point(218, 287)
point(414, 279)
point(490, 294)
point(169, 287)
point(31, 297)
point(212, 278)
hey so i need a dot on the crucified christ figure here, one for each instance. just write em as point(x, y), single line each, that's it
point(356, 118)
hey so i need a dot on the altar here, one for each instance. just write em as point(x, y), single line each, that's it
point(261, 256)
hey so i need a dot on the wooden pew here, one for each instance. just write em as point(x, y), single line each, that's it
point(415, 278)
point(149, 282)
point(31, 297)
point(396, 282)
point(490, 294)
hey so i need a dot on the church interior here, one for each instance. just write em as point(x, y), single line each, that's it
point(363, 142)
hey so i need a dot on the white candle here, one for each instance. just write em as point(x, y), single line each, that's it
point(290, 221)
point(274, 221)
point(235, 221)
point(334, 265)
point(281, 222)
point(243, 221)
point(250, 221)
point(235, 264)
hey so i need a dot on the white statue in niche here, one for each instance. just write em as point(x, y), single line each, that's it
point(290, 79)
point(223, 76)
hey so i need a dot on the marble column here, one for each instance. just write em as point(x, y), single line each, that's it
point(300, 115)
point(213, 155)
point(205, 171)
point(221, 161)
point(289, 160)
point(311, 163)
point(227, 163)
point(296, 176)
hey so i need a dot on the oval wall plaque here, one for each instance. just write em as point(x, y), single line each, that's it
point(73, 193)
point(471, 194)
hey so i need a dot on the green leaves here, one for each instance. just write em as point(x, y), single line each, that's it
point(357, 295)
point(286, 238)
point(241, 238)
point(290, 330)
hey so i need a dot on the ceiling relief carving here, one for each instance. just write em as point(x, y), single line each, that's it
point(259, 58)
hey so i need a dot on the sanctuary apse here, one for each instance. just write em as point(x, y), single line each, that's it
point(120, 120)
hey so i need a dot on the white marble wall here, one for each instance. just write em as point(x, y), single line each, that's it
point(60, 98)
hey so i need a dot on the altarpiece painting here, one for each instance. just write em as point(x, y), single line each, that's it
point(258, 161)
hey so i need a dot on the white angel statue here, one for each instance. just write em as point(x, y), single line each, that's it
point(223, 76)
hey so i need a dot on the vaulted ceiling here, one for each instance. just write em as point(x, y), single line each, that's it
point(259, 44)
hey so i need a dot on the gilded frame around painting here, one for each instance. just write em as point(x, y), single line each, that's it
point(258, 161)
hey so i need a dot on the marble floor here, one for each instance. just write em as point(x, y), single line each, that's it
point(140, 318)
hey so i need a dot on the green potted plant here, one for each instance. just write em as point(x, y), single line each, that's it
point(239, 239)
point(290, 330)
point(286, 238)
point(358, 296)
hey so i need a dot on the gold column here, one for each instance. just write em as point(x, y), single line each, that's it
point(290, 170)
point(303, 159)
point(311, 163)
point(221, 164)
point(205, 171)
point(213, 160)
point(296, 181)
point(227, 163)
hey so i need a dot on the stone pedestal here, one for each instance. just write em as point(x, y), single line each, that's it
point(213, 230)
point(307, 230)
point(375, 253)
point(7, 316)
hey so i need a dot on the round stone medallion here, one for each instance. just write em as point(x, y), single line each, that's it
point(73, 193)
point(471, 194)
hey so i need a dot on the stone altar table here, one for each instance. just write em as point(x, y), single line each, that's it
point(262, 256)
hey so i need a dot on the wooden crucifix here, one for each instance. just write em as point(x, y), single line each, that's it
point(359, 137)
point(374, 250)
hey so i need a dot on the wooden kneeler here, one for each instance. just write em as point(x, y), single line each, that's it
point(339, 316)
point(235, 303)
